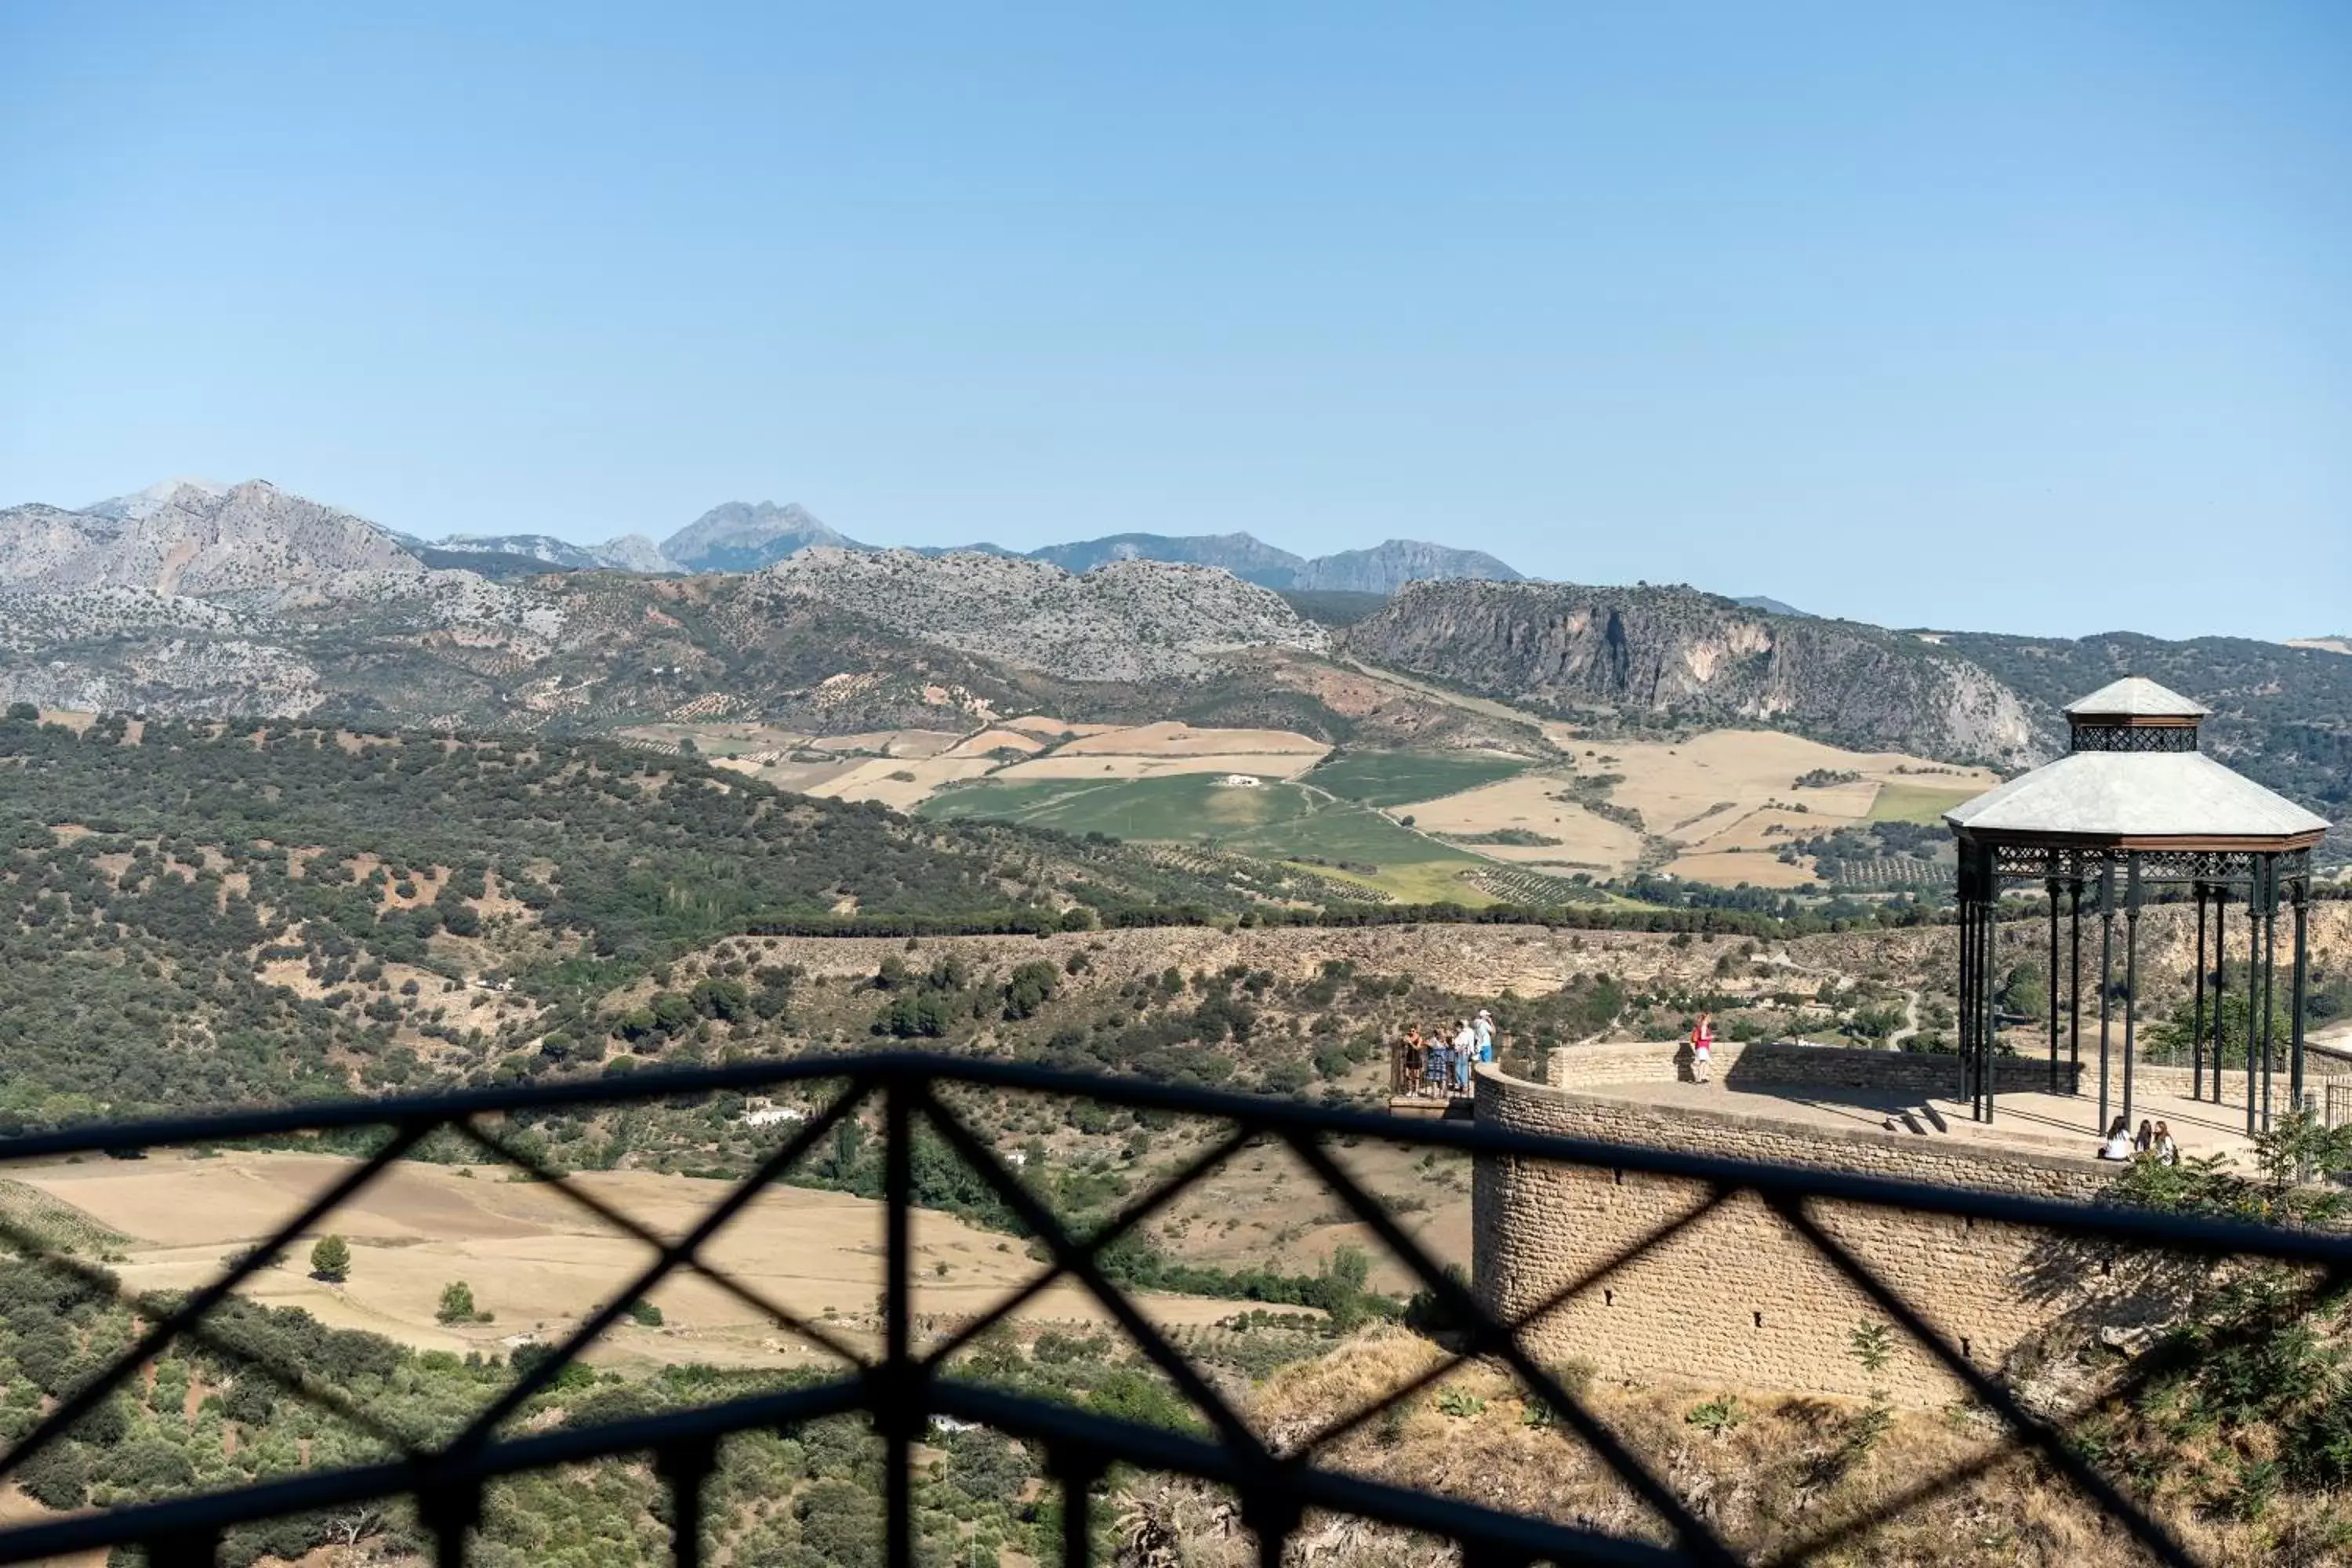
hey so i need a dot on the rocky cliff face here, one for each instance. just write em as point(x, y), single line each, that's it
point(194, 540)
point(1132, 620)
point(1676, 653)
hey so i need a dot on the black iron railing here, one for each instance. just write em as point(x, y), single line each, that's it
point(907, 1386)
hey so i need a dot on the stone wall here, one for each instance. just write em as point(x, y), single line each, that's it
point(1737, 1299)
point(1915, 1072)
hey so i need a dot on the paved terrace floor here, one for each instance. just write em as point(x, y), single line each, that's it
point(2034, 1123)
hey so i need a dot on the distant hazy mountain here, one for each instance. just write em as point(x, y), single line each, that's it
point(1770, 605)
point(742, 536)
point(140, 505)
point(1387, 567)
point(196, 539)
point(630, 553)
point(745, 536)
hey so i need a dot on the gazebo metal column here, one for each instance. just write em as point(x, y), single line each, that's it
point(2131, 974)
point(2197, 1027)
point(2221, 978)
point(2302, 896)
point(2107, 977)
point(2074, 983)
point(2051, 888)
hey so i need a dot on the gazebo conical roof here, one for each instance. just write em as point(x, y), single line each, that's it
point(2151, 799)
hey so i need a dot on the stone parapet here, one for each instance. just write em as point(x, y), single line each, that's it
point(1737, 1299)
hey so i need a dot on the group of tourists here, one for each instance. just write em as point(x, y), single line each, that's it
point(1438, 1063)
point(2153, 1142)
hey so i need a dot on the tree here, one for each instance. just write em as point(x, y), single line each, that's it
point(458, 1304)
point(331, 1259)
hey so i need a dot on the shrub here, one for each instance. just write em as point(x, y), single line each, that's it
point(331, 1259)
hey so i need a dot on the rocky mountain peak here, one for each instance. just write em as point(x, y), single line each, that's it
point(745, 536)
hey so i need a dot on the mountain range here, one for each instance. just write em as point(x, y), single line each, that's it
point(746, 536)
point(236, 601)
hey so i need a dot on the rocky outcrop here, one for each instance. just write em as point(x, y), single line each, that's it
point(194, 540)
point(1132, 620)
point(1679, 654)
point(629, 552)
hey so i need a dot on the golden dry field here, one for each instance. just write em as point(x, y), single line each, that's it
point(537, 1262)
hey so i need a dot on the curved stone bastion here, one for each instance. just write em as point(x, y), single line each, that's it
point(1736, 1298)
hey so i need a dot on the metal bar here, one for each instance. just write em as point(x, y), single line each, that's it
point(897, 1414)
point(86, 1398)
point(2196, 1030)
point(420, 1476)
point(1077, 1468)
point(1966, 999)
point(2270, 988)
point(2253, 992)
point(2220, 979)
point(785, 1317)
point(2131, 978)
point(2300, 998)
point(1989, 977)
point(2051, 888)
point(1072, 1258)
point(684, 1466)
point(1489, 1337)
point(1157, 1448)
point(1333, 1431)
point(1168, 1191)
point(2051, 1442)
point(2075, 985)
point(479, 1429)
point(2106, 980)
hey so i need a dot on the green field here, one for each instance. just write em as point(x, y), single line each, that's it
point(1271, 822)
point(1399, 778)
point(1922, 804)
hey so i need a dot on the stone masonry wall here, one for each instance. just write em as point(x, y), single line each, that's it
point(1574, 1067)
point(1738, 1300)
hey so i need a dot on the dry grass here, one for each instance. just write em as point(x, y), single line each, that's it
point(1530, 801)
point(1784, 1478)
point(537, 1262)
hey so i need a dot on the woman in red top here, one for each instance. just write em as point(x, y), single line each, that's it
point(1703, 1048)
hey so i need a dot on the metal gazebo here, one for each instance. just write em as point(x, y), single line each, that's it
point(2132, 803)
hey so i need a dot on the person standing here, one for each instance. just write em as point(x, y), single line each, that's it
point(1484, 1026)
point(1466, 1051)
point(1441, 1064)
point(1703, 1048)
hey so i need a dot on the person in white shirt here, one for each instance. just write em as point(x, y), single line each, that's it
point(2118, 1144)
point(1484, 1026)
point(1466, 1048)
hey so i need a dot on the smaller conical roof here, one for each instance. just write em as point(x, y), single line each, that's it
point(2135, 697)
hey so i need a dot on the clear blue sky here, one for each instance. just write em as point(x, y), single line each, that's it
point(2031, 317)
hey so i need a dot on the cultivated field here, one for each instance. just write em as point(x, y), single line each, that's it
point(1396, 778)
point(537, 1263)
point(1718, 807)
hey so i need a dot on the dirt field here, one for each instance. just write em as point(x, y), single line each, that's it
point(537, 1262)
point(996, 739)
point(1530, 801)
point(900, 784)
point(891, 743)
point(1063, 764)
point(1177, 739)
